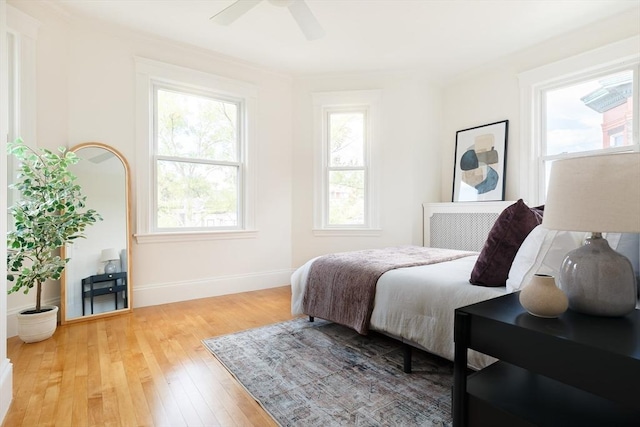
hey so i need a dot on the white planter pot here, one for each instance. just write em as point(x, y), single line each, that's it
point(37, 326)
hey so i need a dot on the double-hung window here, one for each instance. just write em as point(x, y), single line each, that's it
point(592, 115)
point(346, 133)
point(346, 171)
point(574, 109)
point(197, 159)
point(194, 174)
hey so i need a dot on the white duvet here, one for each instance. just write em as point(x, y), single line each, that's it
point(417, 304)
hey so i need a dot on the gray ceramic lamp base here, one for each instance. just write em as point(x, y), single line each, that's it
point(597, 280)
point(110, 268)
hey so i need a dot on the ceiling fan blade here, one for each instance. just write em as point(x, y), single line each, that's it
point(305, 19)
point(234, 11)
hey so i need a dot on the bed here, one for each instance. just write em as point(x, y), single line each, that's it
point(416, 304)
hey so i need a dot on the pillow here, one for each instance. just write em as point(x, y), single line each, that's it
point(507, 234)
point(541, 252)
point(525, 257)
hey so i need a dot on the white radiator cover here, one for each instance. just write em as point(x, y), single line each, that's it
point(463, 226)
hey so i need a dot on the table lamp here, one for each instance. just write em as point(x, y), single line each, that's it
point(596, 194)
point(109, 256)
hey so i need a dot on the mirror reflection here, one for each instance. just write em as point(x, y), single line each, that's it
point(96, 279)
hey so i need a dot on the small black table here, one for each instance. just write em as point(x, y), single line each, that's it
point(576, 370)
point(111, 283)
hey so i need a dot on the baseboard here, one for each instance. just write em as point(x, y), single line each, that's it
point(164, 293)
point(6, 387)
point(12, 321)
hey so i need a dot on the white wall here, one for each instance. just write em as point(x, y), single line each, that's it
point(86, 92)
point(6, 368)
point(51, 112)
point(409, 159)
point(420, 124)
point(492, 93)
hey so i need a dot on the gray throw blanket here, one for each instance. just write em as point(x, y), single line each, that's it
point(341, 287)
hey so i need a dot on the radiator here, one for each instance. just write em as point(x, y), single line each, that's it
point(463, 226)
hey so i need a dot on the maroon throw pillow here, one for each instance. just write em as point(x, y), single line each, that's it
point(509, 231)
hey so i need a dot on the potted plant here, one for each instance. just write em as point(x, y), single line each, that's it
point(50, 213)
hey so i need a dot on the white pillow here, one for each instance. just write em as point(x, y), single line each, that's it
point(525, 257)
point(543, 253)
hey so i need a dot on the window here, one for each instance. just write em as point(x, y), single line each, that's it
point(573, 108)
point(345, 191)
point(194, 154)
point(589, 116)
point(346, 167)
point(197, 160)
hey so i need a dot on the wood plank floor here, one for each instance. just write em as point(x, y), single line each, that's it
point(146, 368)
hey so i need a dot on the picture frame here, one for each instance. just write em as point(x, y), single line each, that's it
point(480, 163)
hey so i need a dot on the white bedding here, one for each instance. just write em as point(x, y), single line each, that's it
point(417, 304)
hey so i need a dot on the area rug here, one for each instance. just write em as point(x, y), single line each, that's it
point(323, 374)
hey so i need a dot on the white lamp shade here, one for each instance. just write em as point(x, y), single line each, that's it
point(110, 254)
point(594, 194)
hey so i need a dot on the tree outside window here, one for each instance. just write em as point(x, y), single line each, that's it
point(197, 160)
point(347, 168)
point(347, 151)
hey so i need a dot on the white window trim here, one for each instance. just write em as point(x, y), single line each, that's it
point(607, 59)
point(24, 29)
point(149, 71)
point(328, 101)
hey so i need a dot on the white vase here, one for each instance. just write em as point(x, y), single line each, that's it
point(36, 327)
point(541, 297)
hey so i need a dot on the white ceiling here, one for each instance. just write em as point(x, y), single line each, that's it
point(446, 37)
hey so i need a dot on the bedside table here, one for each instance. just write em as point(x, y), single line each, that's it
point(110, 283)
point(576, 370)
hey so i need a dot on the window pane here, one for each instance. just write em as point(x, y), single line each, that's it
point(346, 197)
point(196, 195)
point(590, 115)
point(192, 126)
point(346, 139)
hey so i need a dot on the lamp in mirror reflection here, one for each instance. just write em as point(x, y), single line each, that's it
point(110, 256)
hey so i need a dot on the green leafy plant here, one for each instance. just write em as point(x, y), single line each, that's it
point(50, 213)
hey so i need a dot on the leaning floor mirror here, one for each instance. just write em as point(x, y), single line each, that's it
point(97, 279)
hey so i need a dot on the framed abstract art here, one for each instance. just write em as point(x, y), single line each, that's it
point(480, 163)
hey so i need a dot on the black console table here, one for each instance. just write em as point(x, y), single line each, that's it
point(111, 283)
point(576, 370)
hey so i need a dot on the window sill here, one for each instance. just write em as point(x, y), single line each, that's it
point(192, 236)
point(351, 232)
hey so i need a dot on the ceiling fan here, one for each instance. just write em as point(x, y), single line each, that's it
point(298, 8)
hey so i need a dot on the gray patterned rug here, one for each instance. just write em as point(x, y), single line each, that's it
point(323, 374)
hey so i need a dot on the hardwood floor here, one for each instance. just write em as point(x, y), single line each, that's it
point(146, 368)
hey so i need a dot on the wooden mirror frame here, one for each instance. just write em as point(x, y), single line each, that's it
point(63, 250)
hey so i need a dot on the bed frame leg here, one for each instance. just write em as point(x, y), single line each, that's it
point(406, 350)
point(311, 319)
